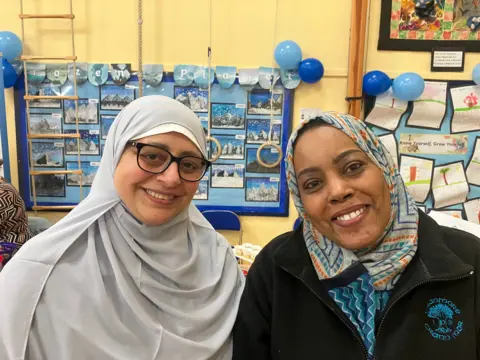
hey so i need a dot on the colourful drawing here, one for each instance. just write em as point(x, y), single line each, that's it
point(471, 100)
point(444, 174)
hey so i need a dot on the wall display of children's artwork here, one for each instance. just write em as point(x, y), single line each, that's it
point(420, 25)
point(439, 152)
point(240, 120)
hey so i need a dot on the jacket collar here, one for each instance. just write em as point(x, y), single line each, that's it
point(432, 261)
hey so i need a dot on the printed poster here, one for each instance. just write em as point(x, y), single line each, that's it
point(436, 144)
point(429, 109)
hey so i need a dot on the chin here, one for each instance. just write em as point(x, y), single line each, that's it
point(354, 243)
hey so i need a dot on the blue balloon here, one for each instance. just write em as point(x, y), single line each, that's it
point(408, 86)
point(9, 74)
point(476, 74)
point(10, 45)
point(288, 55)
point(310, 70)
point(376, 82)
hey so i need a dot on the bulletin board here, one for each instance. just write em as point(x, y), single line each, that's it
point(240, 120)
point(435, 142)
point(5, 169)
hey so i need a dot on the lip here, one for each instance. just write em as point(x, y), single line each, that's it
point(349, 210)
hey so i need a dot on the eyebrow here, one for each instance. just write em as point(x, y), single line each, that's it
point(183, 153)
point(335, 161)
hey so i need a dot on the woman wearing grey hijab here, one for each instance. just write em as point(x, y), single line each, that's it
point(134, 271)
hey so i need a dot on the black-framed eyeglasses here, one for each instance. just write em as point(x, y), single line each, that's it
point(155, 160)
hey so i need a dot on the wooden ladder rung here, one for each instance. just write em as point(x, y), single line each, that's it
point(54, 136)
point(59, 97)
point(56, 172)
point(53, 207)
point(35, 57)
point(46, 16)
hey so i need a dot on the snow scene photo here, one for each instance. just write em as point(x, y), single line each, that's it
point(192, 97)
point(202, 191)
point(89, 171)
point(259, 102)
point(262, 190)
point(258, 129)
point(228, 116)
point(45, 123)
point(45, 89)
point(232, 148)
point(113, 97)
point(50, 185)
point(47, 154)
point(227, 176)
point(89, 143)
point(87, 111)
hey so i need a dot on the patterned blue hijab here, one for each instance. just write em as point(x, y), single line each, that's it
point(397, 245)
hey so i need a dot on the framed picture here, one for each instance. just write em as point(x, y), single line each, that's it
point(262, 189)
point(412, 25)
point(192, 97)
point(106, 123)
point(87, 111)
point(50, 185)
point(232, 147)
point(269, 155)
point(202, 191)
point(114, 97)
point(47, 154)
point(45, 123)
point(258, 131)
point(227, 176)
point(228, 116)
point(89, 170)
point(89, 143)
point(259, 102)
point(45, 89)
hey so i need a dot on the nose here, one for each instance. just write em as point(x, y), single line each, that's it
point(339, 190)
point(170, 177)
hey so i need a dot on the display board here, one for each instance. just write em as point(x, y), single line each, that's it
point(5, 168)
point(435, 141)
point(240, 120)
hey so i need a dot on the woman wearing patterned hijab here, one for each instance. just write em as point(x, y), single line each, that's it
point(366, 275)
point(13, 217)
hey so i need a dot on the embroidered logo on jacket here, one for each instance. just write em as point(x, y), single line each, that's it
point(443, 321)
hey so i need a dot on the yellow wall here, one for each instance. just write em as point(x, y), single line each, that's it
point(243, 34)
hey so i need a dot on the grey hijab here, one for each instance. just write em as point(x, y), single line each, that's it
point(100, 285)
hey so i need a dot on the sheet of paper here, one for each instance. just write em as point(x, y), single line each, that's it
point(391, 145)
point(473, 168)
point(455, 213)
point(417, 176)
point(435, 144)
point(450, 221)
point(307, 114)
point(466, 104)
point(449, 185)
point(472, 210)
point(387, 111)
point(429, 109)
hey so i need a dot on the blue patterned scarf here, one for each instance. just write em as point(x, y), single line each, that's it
point(397, 245)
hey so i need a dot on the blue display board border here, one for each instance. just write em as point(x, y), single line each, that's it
point(3, 129)
point(280, 211)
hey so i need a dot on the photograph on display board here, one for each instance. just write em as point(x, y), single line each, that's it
point(472, 210)
point(259, 102)
point(50, 185)
point(47, 154)
point(449, 185)
point(87, 111)
point(192, 97)
point(45, 89)
point(113, 97)
point(45, 123)
point(89, 143)
point(268, 155)
point(202, 191)
point(89, 170)
point(227, 176)
point(421, 25)
point(263, 189)
point(232, 147)
point(473, 167)
point(228, 116)
point(417, 175)
point(106, 123)
point(258, 131)
point(204, 122)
